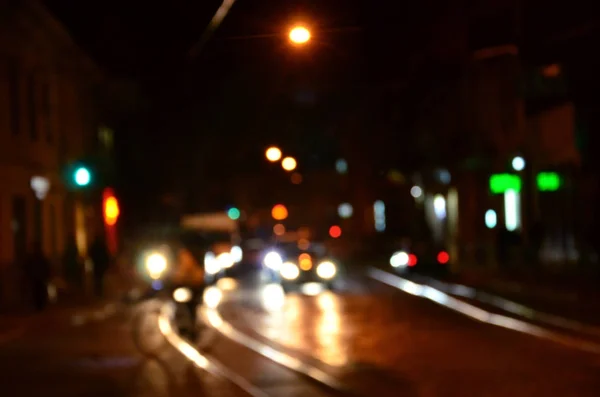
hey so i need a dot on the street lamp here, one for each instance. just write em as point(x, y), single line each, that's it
point(299, 35)
point(289, 163)
point(518, 163)
point(273, 154)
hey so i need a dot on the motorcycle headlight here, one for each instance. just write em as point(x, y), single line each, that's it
point(237, 254)
point(273, 260)
point(225, 260)
point(289, 271)
point(182, 295)
point(326, 270)
point(156, 265)
point(211, 264)
point(212, 297)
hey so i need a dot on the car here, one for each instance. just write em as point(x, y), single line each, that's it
point(302, 268)
point(420, 258)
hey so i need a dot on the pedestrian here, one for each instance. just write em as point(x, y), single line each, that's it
point(73, 264)
point(101, 259)
point(37, 268)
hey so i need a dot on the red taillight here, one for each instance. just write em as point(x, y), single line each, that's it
point(443, 257)
point(412, 260)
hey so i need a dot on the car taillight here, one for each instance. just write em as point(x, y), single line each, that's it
point(412, 260)
point(443, 257)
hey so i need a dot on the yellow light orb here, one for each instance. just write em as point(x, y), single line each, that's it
point(273, 154)
point(289, 163)
point(299, 35)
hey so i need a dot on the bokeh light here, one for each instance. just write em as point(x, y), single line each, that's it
point(279, 212)
point(273, 154)
point(289, 163)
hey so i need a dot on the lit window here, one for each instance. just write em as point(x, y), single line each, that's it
point(105, 137)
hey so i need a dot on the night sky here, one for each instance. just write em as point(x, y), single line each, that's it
point(230, 101)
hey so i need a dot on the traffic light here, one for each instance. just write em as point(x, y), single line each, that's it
point(233, 213)
point(111, 208)
point(82, 176)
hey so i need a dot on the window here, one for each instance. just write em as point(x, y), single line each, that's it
point(492, 30)
point(32, 108)
point(19, 225)
point(54, 231)
point(47, 112)
point(106, 138)
point(14, 98)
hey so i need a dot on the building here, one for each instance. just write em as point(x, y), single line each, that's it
point(48, 120)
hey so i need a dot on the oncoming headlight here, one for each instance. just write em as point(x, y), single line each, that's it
point(156, 265)
point(399, 259)
point(212, 297)
point(182, 295)
point(237, 254)
point(211, 264)
point(225, 260)
point(289, 271)
point(273, 260)
point(326, 270)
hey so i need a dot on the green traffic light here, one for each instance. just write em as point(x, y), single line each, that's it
point(82, 176)
point(233, 213)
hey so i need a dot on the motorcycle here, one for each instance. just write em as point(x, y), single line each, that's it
point(184, 298)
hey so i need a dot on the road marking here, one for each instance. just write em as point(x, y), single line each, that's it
point(212, 317)
point(514, 307)
point(212, 366)
point(441, 298)
point(105, 312)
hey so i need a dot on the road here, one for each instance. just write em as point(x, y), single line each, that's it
point(364, 339)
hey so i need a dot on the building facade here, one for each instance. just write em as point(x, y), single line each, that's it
point(47, 121)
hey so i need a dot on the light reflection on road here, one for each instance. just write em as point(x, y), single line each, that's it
point(309, 324)
point(328, 329)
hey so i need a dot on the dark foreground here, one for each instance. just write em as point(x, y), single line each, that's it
point(370, 337)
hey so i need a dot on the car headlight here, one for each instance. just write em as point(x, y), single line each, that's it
point(273, 260)
point(225, 260)
point(237, 254)
point(289, 271)
point(156, 265)
point(212, 297)
point(182, 295)
point(211, 264)
point(399, 259)
point(326, 270)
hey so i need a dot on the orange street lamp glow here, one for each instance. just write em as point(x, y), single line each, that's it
point(299, 35)
point(289, 163)
point(279, 212)
point(273, 154)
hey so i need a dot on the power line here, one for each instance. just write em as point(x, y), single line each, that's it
point(211, 28)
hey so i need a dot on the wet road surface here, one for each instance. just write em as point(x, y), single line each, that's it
point(370, 338)
point(373, 336)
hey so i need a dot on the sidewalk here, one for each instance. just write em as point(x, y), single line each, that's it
point(70, 307)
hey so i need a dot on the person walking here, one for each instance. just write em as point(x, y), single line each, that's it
point(101, 258)
point(37, 268)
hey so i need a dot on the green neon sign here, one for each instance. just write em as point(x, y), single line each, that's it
point(548, 181)
point(500, 183)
